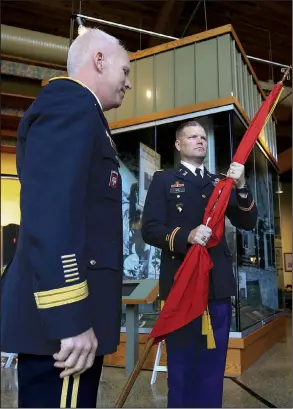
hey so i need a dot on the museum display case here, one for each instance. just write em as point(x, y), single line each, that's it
point(145, 148)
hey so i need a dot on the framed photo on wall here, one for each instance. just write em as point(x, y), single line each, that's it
point(288, 262)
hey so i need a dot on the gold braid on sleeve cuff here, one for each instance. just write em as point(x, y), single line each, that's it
point(61, 296)
point(171, 240)
point(247, 209)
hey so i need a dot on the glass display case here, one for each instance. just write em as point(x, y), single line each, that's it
point(254, 254)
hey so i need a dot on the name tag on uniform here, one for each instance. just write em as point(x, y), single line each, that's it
point(177, 190)
point(113, 179)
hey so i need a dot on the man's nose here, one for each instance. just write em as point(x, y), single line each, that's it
point(128, 85)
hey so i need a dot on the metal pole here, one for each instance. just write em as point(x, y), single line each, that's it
point(268, 62)
point(138, 30)
point(153, 33)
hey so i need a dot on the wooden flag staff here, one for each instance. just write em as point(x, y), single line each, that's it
point(134, 374)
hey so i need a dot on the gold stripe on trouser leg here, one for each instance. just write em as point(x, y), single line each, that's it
point(75, 391)
point(64, 392)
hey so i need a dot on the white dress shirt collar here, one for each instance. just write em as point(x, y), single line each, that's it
point(192, 168)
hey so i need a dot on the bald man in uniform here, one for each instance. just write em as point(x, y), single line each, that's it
point(67, 270)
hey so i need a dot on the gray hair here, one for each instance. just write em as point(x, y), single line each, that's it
point(85, 45)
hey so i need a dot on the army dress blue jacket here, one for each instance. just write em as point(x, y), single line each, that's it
point(66, 275)
point(175, 205)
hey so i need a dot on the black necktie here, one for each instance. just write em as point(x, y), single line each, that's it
point(197, 171)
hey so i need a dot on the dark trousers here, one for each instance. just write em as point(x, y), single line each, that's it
point(196, 374)
point(39, 384)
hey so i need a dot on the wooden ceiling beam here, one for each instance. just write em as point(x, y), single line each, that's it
point(10, 133)
point(10, 121)
point(250, 14)
point(162, 21)
point(16, 100)
point(8, 149)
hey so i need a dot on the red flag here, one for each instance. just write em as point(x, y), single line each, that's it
point(188, 298)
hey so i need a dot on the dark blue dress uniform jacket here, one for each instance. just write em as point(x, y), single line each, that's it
point(175, 205)
point(66, 275)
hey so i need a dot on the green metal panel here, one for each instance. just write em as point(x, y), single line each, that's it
point(255, 101)
point(226, 66)
point(126, 110)
point(144, 90)
point(271, 136)
point(275, 152)
point(240, 78)
point(245, 89)
point(164, 81)
point(234, 69)
point(185, 67)
point(249, 107)
point(259, 100)
point(251, 96)
point(268, 136)
point(206, 70)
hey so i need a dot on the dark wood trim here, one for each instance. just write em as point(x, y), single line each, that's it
point(11, 133)
point(181, 42)
point(22, 60)
point(8, 149)
point(187, 109)
point(18, 101)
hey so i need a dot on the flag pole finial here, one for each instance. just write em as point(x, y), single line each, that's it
point(286, 73)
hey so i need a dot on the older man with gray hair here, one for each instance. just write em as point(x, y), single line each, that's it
point(61, 293)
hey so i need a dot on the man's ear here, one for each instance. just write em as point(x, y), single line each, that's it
point(177, 145)
point(99, 61)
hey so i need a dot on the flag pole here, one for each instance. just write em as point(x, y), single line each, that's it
point(134, 374)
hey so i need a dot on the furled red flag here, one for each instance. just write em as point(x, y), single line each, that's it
point(188, 298)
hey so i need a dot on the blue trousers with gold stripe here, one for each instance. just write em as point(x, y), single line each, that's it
point(196, 374)
point(39, 384)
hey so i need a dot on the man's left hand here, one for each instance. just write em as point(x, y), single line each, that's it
point(237, 173)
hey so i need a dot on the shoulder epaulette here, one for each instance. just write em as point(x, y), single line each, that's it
point(67, 78)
